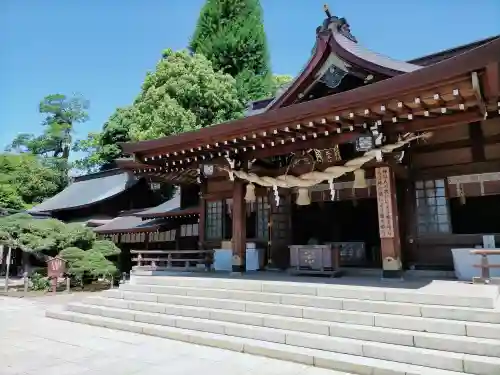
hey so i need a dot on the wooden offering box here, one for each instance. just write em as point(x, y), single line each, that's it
point(314, 259)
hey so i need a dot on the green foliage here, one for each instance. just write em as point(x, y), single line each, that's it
point(92, 262)
point(39, 167)
point(106, 248)
point(39, 282)
point(280, 81)
point(184, 93)
point(230, 33)
point(74, 243)
point(27, 179)
point(72, 254)
point(10, 198)
point(61, 114)
point(75, 235)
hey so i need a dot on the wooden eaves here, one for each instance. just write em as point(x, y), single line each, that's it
point(430, 97)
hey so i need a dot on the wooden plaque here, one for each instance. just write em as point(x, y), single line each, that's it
point(384, 202)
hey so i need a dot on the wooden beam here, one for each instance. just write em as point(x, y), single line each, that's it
point(457, 169)
point(491, 82)
point(319, 143)
point(477, 141)
point(436, 122)
point(379, 92)
point(461, 143)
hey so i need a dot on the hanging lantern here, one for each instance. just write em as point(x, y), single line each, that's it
point(360, 179)
point(250, 193)
point(303, 198)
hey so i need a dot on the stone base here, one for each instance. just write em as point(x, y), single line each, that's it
point(491, 280)
point(392, 274)
point(238, 268)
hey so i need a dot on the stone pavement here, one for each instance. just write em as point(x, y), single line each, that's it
point(31, 344)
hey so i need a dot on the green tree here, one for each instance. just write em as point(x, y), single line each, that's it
point(102, 147)
point(230, 33)
point(280, 81)
point(29, 178)
point(184, 93)
point(62, 113)
point(73, 242)
point(93, 262)
point(10, 198)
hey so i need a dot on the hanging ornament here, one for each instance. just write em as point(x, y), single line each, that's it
point(461, 194)
point(332, 190)
point(276, 195)
point(303, 198)
point(360, 179)
point(250, 193)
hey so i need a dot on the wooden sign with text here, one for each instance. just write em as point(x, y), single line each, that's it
point(384, 202)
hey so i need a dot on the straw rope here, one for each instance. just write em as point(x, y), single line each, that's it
point(329, 174)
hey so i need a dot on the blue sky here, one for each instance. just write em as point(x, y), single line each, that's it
point(103, 49)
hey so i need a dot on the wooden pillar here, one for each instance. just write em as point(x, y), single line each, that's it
point(203, 210)
point(239, 240)
point(390, 243)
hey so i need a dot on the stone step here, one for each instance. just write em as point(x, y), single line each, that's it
point(295, 350)
point(293, 305)
point(443, 293)
point(330, 315)
point(452, 343)
point(410, 355)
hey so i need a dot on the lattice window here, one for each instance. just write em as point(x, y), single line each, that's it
point(433, 214)
point(262, 217)
point(189, 230)
point(214, 220)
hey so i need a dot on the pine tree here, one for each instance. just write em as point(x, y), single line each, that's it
point(230, 33)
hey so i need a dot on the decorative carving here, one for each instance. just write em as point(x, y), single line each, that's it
point(340, 24)
point(333, 76)
point(328, 155)
point(303, 159)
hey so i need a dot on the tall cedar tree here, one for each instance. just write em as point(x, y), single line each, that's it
point(230, 33)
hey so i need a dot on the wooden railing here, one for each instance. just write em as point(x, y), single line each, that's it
point(186, 260)
point(485, 265)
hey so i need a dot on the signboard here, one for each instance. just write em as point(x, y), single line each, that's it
point(364, 143)
point(384, 202)
point(55, 267)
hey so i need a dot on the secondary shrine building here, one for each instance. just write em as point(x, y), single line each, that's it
point(362, 161)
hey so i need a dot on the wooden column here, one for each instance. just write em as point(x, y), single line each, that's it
point(390, 243)
point(239, 239)
point(203, 213)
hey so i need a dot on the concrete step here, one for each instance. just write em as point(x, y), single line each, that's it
point(443, 293)
point(452, 343)
point(439, 359)
point(356, 364)
point(293, 305)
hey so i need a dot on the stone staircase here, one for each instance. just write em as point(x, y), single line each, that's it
point(356, 329)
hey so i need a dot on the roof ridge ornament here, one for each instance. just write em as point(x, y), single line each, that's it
point(340, 24)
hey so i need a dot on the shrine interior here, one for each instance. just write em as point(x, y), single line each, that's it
point(475, 215)
point(352, 224)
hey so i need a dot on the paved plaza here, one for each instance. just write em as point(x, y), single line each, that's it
point(31, 344)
